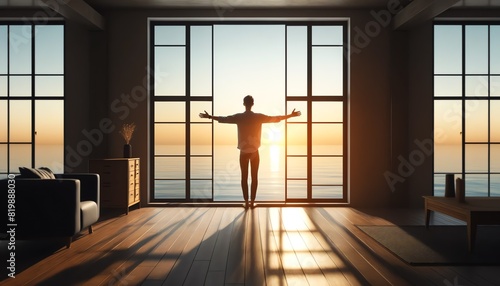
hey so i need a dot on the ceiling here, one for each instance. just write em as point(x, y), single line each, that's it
point(272, 3)
point(350, 4)
point(88, 12)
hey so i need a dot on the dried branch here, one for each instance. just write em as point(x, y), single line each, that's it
point(127, 131)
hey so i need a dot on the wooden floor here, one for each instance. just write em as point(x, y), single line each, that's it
point(231, 246)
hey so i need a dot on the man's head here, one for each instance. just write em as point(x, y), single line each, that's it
point(248, 101)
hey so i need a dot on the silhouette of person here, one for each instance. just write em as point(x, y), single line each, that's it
point(249, 134)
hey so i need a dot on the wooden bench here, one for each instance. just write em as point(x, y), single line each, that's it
point(474, 211)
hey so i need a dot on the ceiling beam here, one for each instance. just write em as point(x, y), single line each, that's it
point(419, 11)
point(78, 11)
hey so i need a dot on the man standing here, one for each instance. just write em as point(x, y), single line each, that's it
point(249, 134)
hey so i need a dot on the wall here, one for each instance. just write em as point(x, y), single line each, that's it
point(77, 104)
point(378, 87)
point(420, 115)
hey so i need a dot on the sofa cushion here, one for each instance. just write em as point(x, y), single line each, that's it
point(47, 172)
point(89, 213)
point(42, 173)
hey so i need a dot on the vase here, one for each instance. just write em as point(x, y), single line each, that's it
point(127, 151)
point(449, 187)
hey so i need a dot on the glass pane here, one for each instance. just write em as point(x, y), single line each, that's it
point(297, 136)
point(447, 122)
point(297, 149)
point(476, 121)
point(495, 49)
point(296, 61)
point(170, 35)
point(327, 112)
point(3, 158)
point(327, 35)
point(296, 189)
point(327, 139)
point(495, 120)
point(170, 112)
point(326, 171)
point(49, 49)
point(476, 86)
point(447, 86)
point(447, 49)
point(3, 120)
point(327, 71)
point(476, 158)
point(495, 157)
point(495, 185)
point(198, 107)
point(171, 189)
point(201, 60)
point(439, 183)
point(448, 158)
point(495, 86)
point(20, 86)
point(20, 121)
point(327, 192)
point(476, 49)
point(298, 106)
point(336, 149)
point(3, 50)
point(170, 139)
point(476, 185)
point(201, 139)
point(3, 85)
point(49, 130)
point(201, 168)
point(20, 156)
point(170, 168)
point(227, 174)
point(170, 71)
point(201, 189)
point(49, 86)
point(20, 49)
point(297, 167)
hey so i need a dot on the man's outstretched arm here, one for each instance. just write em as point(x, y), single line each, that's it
point(222, 119)
point(282, 117)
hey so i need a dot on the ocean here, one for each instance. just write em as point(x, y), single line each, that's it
point(327, 171)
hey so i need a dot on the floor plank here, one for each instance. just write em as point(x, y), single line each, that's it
point(233, 246)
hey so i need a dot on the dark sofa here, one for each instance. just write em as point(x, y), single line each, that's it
point(60, 207)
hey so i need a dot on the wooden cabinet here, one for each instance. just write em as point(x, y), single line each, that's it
point(119, 181)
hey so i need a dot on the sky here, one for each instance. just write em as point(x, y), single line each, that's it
point(448, 65)
point(250, 60)
point(15, 59)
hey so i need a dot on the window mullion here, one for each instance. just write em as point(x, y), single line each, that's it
point(309, 112)
point(463, 102)
point(33, 131)
point(187, 49)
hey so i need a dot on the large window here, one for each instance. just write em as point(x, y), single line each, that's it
point(31, 96)
point(467, 106)
point(212, 66)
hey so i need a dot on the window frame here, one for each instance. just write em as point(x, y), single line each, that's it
point(309, 99)
point(464, 99)
point(33, 98)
